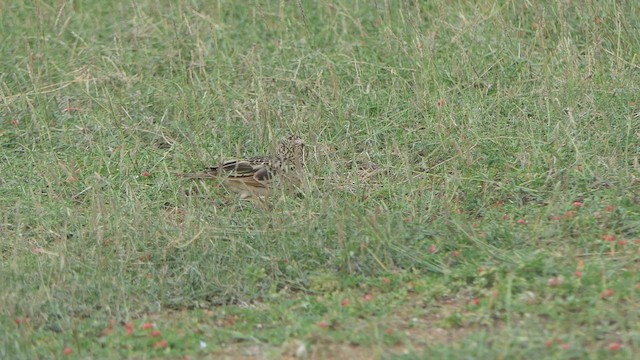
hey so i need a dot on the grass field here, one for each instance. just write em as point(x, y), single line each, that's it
point(472, 179)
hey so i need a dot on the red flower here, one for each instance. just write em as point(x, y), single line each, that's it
point(21, 320)
point(146, 326)
point(614, 346)
point(344, 302)
point(522, 221)
point(160, 344)
point(323, 325)
point(578, 274)
point(578, 203)
point(608, 238)
point(606, 293)
point(67, 351)
point(155, 333)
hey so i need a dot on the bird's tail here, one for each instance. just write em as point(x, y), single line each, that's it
point(196, 175)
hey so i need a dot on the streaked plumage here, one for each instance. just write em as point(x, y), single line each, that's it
point(251, 176)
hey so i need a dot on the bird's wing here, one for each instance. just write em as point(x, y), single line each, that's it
point(252, 168)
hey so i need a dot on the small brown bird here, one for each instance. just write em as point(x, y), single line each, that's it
point(251, 176)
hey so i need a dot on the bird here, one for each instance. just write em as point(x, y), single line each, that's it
point(253, 177)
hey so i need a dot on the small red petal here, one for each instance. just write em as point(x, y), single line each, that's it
point(387, 281)
point(160, 344)
point(146, 174)
point(608, 238)
point(577, 203)
point(614, 346)
point(565, 346)
point(367, 297)
point(129, 328)
point(146, 326)
point(606, 293)
point(155, 333)
point(622, 242)
point(578, 274)
point(432, 249)
point(505, 217)
point(323, 325)
point(609, 208)
point(475, 301)
point(522, 221)
point(344, 302)
point(67, 351)
point(388, 331)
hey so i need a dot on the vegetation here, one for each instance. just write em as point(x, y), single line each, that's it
point(472, 181)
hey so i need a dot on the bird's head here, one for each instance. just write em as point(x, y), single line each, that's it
point(291, 148)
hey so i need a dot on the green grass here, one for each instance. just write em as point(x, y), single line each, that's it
point(473, 179)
